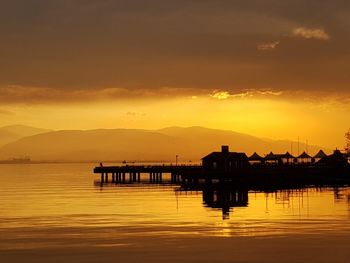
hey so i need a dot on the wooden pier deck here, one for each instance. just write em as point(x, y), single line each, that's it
point(250, 177)
point(132, 173)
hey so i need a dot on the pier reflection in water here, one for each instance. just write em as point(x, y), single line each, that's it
point(228, 197)
point(225, 199)
point(63, 196)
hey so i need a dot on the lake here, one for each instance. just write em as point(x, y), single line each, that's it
point(53, 210)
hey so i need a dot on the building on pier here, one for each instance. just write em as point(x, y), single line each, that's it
point(337, 159)
point(319, 156)
point(256, 159)
point(225, 161)
point(280, 159)
point(304, 158)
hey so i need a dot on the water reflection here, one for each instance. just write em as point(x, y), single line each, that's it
point(225, 199)
point(65, 196)
point(341, 194)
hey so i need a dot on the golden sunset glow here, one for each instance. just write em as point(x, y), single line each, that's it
point(321, 122)
point(273, 73)
point(174, 131)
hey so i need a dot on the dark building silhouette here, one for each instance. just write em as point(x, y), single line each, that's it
point(337, 159)
point(225, 161)
point(320, 155)
point(285, 158)
point(256, 158)
point(304, 158)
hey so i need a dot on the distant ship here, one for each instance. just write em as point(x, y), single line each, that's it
point(24, 160)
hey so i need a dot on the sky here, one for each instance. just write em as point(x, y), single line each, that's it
point(276, 69)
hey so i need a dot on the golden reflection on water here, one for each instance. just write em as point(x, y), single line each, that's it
point(63, 196)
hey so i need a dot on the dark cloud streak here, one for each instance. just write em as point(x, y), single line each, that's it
point(68, 46)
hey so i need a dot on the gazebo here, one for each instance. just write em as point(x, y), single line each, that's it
point(271, 157)
point(288, 157)
point(256, 158)
point(304, 158)
point(319, 155)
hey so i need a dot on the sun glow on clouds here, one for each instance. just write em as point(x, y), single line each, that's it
point(310, 33)
point(223, 95)
point(268, 46)
point(262, 113)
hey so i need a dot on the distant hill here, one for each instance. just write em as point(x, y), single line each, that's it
point(131, 144)
point(14, 132)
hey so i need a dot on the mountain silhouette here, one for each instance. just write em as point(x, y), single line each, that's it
point(134, 144)
point(12, 133)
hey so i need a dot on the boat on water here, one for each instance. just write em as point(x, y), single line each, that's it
point(25, 160)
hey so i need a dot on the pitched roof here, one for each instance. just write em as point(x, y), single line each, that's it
point(288, 156)
point(274, 157)
point(320, 155)
point(224, 155)
point(255, 157)
point(336, 159)
point(304, 155)
point(270, 155)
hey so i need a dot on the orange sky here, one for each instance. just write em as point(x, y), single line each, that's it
point(277, 70)
point(322, 122)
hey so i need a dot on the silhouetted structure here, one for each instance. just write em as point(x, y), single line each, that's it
point(304, 158)
point(274, 171)
point(337, 159)
point(225, 161)
point(279, 159)
point(256, 157)
point(319, 155)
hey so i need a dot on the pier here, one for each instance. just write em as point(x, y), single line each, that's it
point(253, 178)
point(132, 173)
point(274, 171)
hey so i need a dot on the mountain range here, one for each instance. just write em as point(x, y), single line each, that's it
point(190, 143)
point(14, 132)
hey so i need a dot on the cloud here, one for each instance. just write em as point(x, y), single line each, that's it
point(268, 46)
point(23, 95)
point(15, 94)
point(137, 44)
point(223, 95)
point(310, 33)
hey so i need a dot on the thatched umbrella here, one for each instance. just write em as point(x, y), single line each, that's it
point(255, 157)
point(320, 155)
point(305, 156)
point(288, 156)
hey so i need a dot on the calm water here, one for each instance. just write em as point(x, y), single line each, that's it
point(64, 201)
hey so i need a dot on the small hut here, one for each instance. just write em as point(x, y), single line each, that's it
point(304, 158)
point(256, 159)
point(288, 158)
point(280, 159)
point(319, 156)
point(271, 158)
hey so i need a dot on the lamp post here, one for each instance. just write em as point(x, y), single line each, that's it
point(176, 157)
